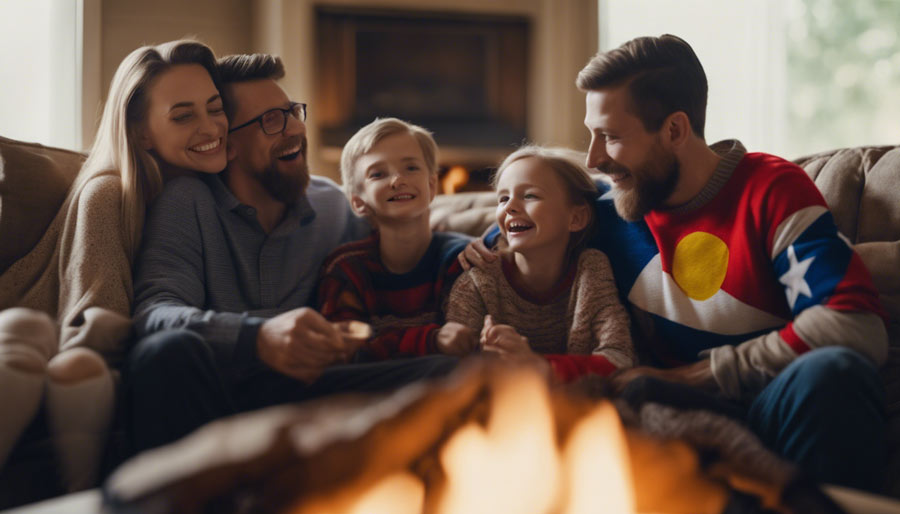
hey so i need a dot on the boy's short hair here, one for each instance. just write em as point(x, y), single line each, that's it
point(368, 136)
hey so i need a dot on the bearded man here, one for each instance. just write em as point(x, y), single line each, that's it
point(733, 267)
point(228, 265)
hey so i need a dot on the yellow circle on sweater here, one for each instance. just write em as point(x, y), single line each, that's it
point(700, 264)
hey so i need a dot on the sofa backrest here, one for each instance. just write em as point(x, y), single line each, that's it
point(34, 180)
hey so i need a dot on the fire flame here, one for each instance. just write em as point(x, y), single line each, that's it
point(454, 180)
point(492, 470)
point(523, 461)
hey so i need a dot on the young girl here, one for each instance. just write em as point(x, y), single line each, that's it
point(546, 300)
point(68, 301)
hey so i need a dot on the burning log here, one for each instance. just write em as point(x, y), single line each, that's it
point(486, 439)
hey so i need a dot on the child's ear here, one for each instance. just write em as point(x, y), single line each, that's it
point(432, 184)
point(359, 206)
point(580, 217)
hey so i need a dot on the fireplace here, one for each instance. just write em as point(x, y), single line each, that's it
point(463, 76)
point(489, 438)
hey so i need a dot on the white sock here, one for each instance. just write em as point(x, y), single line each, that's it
point(22, 391)
point(79, 415)
point(27, 340)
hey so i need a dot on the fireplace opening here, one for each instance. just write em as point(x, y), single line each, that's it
point(461, 76)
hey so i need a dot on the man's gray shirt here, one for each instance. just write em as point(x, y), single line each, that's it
point(207, 265)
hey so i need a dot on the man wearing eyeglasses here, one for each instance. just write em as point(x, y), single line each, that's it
point(228, 264)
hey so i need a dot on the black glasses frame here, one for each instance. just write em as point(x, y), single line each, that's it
point(284, 113)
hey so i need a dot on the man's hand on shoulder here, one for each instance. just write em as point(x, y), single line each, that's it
point(300, 343)
point(698, 374)
point(476, 254)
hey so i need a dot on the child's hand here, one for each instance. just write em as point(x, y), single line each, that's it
point(503, 339)
point(456, 339)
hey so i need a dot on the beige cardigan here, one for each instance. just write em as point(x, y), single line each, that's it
point(79, 272)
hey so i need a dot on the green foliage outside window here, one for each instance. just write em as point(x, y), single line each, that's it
point(843, 74)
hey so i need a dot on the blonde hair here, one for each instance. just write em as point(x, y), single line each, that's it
point(569, 166)
point(368, 136)
point(116, 149)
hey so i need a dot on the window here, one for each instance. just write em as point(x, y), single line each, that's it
point(41, 67)
point(789, 77)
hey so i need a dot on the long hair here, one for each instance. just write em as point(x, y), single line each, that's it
point(116, 149)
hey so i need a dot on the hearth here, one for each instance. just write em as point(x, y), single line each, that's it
point(486, 439)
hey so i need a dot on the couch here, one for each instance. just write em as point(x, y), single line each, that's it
point(861, 185)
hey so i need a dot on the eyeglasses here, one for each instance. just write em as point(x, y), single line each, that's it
point(275, 120)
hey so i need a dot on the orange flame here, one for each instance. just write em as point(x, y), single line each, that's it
point(454, 180)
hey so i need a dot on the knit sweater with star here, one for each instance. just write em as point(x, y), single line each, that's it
point(752, 273)
point(581, 327)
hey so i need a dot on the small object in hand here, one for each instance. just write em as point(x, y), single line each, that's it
point(354, 329)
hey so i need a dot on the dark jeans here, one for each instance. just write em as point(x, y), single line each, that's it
point(824, 412)
point(174, 385)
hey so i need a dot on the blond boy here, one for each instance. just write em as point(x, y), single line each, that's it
point(398, 278)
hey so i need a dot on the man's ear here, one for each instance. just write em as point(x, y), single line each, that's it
point(581, 215)
point(676, 129)
point(359, 206)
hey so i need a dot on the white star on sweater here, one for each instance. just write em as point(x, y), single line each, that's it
point(793, 280)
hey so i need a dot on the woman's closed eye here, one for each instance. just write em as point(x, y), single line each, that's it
point(182, 117)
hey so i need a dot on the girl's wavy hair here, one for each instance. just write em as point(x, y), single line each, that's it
point(569, 166)
point(116, 149)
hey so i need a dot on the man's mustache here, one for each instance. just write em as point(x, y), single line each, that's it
point(291, 143)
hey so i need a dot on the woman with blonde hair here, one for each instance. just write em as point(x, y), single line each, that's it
point(65, 306)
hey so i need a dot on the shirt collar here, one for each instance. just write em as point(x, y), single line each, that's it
point(730, 152)
point(298, 214)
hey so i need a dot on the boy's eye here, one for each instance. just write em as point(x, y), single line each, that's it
point(412, 167)
point(502, 199)
point(529, 196)
point(376, 174)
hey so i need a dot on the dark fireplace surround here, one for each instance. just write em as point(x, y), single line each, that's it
point(462, 76)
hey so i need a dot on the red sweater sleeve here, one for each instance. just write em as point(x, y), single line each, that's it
point(570, 367)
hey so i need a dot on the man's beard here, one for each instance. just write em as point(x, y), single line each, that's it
point(654, 182)
point(287, 187)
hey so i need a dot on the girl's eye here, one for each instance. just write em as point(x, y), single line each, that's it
point(412, 167)
point(530, 196)
point(502, 199)
point(376, 174)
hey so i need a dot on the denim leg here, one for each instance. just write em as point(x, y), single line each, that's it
point(825, 412)
point(172, 387)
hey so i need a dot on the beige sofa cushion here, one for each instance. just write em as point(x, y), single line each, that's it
point(34, 180)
